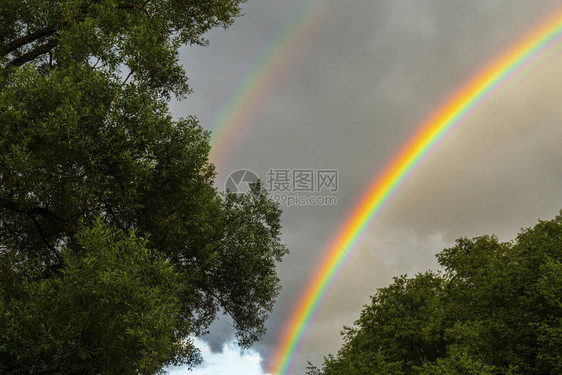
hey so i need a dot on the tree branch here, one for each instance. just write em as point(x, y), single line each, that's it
point(128, 76)
point(49, 31)
point(226, 309)
point(135, 6)
point(43, 212)
point(24, 40)
point(26, 57)
point(36, 35)
point(53, 250)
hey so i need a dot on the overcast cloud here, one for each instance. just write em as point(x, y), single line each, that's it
point(380, 68)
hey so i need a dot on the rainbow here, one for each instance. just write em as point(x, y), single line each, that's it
point(470, 97)
point(272, 60)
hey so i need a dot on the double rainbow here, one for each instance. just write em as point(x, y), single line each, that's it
point(507, 66)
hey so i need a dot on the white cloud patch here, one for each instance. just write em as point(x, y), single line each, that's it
point(231, 361)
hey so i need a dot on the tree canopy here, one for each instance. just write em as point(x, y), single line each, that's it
point(496, 308)
point(115, 246)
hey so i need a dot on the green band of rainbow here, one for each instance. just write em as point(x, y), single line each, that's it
point(508, 65)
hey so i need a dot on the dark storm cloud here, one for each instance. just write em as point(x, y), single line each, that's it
point(494, 175)
point(220, 333)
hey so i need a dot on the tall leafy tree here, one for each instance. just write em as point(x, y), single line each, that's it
point(495, 309)
point(115, 247)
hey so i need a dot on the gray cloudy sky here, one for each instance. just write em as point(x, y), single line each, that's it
point(382, 67)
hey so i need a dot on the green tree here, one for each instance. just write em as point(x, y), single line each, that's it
point(115, 247)
point(495, 309)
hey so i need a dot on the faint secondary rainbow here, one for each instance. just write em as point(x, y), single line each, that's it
point(472, 95)
point(265, 72)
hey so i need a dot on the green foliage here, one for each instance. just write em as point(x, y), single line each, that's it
point(496, 309)
point(86, 142)
point(96, 313)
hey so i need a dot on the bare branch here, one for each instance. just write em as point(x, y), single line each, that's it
point(123, 83)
